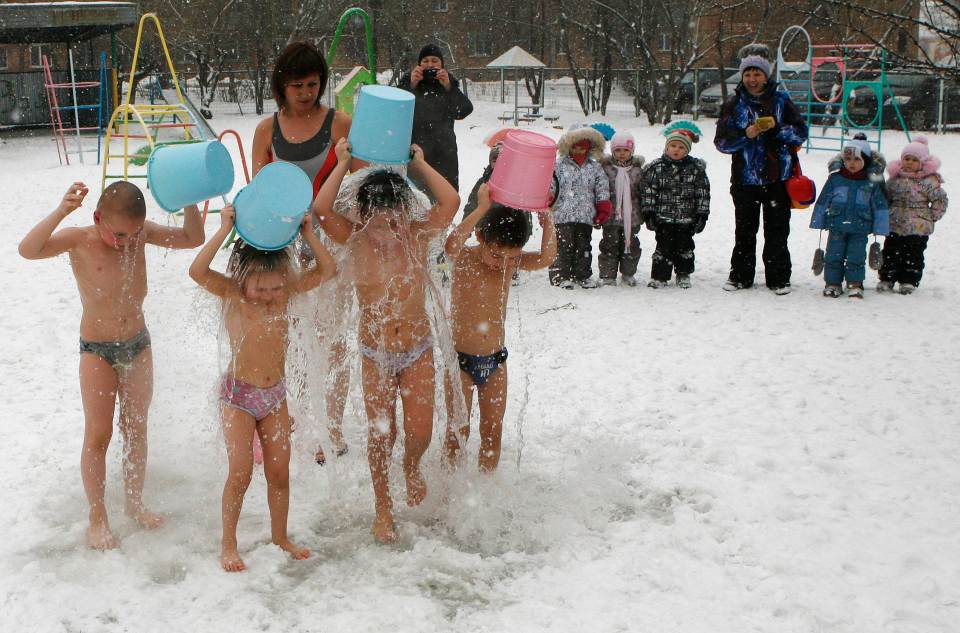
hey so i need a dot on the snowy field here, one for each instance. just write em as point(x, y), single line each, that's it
point(674, 461)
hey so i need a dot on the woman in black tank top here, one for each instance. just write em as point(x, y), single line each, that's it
point(303, 132)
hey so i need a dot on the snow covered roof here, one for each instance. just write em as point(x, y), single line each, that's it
point(516, 57)
point(46, 22)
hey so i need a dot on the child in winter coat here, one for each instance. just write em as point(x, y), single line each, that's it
point(875, 167)
point(619, 247)
point(676, 203)
point(917, 201)
point(851, 206)
point(582, 200)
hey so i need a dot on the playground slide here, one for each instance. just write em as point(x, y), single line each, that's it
point(206, 132)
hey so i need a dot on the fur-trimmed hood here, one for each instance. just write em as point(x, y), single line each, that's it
point(930, 167)
point(585, 133)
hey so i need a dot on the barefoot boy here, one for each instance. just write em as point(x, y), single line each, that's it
point(109, 265)
point(478, 306)
point(388, 257)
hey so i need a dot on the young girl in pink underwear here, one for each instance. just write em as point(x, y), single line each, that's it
point(256, 292)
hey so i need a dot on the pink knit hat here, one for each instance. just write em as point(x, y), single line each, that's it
point(621, 140)
point(917, 148)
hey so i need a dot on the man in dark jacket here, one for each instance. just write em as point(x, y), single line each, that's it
point(439, 103)
point(760, 127)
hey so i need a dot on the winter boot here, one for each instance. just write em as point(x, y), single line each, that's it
point(832, 290)
point(855, 290)
point(683, 281)
point(907, 289)
point(589, 282)
point(608, 281)
point(884, 286)
point(628, 280)
point(656, 283)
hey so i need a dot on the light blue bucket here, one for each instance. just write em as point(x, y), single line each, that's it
point(382, 125)
point(188, 173)
point(270, 209)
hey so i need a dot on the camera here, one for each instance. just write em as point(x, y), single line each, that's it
point(430, 73)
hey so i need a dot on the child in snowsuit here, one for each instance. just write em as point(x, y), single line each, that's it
point(617, 250)
point(676, 202)
point(582, 200)
point(875, 167)
point(851, 206)
point(917, 201)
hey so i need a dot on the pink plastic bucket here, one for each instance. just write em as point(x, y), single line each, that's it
point(524, 170)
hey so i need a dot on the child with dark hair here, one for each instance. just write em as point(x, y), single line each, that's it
point(850, 206)
point(582, 200)
point(478, 311)
point(676, 204)
point(116, 361)
point(387, 234)
point(256, 292)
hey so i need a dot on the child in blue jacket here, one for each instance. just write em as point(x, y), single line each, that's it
point(851, 206)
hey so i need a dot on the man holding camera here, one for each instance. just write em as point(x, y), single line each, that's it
point(439, 102)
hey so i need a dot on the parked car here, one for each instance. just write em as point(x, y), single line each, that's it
point(706, 77)
point(915, 95)
point(711, 99)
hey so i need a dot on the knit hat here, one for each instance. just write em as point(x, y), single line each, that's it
point(917, 148)
point(684, 131)
point(755, 56)
point(428, 50)
point(859, 148)
point(622, 140)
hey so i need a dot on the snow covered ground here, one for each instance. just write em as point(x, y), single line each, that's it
point(692, 461)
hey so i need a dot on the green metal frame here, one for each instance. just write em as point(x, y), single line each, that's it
point(367, 76)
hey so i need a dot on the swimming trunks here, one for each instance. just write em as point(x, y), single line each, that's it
point(392, 363)
point(481, 368)
point(120, 354)
point(259, 402)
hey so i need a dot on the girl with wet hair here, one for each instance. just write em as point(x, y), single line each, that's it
point(256, 292)
point(387, 240)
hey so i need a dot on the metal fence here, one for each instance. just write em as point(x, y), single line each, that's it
point(23, 99)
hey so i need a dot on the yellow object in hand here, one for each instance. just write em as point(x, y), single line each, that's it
point(766, 123)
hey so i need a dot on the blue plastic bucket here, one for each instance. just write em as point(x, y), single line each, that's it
point(189, 173)
point(270, 209)
point(382, 125)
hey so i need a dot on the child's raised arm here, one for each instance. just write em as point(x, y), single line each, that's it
point(190, 235)
point(548, 246)
point(459, 236)
point(335, 225)
point(40, 242)
point(324, 267)
point(448, 200)
point(212, 281)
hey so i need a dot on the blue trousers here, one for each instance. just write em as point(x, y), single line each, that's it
point(845, 257)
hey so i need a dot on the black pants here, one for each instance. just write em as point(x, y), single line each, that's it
point(574, 253)
point(674, 251)
point(903, 258)
point(747, 202)
point(612, 258)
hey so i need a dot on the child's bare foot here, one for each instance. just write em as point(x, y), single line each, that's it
point(296, 552)
point(416, 487)
point(145, 519)
point(99, 537)
point(383, 528)
point(230, 559)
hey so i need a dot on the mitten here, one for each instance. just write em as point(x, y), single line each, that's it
point(699, 225)
point(876, 256)
point(817, 261)
point(604, 211)
point(766, 123)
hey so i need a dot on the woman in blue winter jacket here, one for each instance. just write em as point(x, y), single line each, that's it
point(851, 206)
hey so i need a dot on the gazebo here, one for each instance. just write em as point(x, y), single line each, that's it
point(516, 59)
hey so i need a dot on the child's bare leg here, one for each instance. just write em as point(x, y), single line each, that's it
point(458, 421)
point(274, 433)
point(337, 394)
point(492, 398)
point(136, 393)
point(98, 391)
point(417, 394)
point(238, 429)
point(380, 401)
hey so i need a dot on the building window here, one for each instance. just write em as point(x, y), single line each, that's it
point(3, 58)
point(664, 41)
point(36, 53)
point(440, 5)
point(479, 44)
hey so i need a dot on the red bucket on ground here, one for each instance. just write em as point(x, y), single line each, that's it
point(524, 170)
